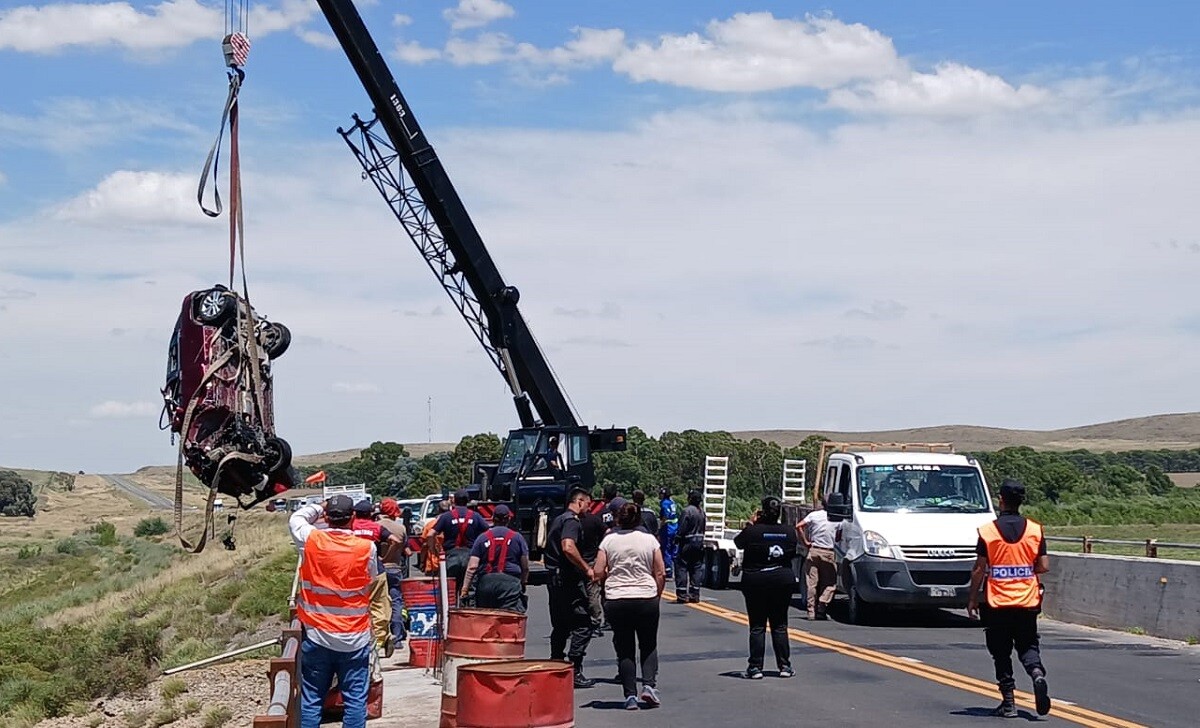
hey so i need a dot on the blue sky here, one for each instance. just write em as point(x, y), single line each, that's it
point(721, 215)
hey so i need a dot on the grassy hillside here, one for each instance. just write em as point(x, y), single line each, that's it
point(123, 607)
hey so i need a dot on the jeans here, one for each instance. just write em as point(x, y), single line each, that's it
point(634, 625)
point(394, 577)
point(318, 665)
point(763, 605)
point(1005, 629)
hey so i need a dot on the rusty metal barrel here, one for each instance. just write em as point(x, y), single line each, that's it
point(421, 596)
point(516, 694)
point(474, 636)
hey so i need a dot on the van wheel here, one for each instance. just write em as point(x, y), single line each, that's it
point(857, 610)
point(214, 306)
point(278, 455)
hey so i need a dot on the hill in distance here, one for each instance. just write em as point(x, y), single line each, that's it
point(1157, 432)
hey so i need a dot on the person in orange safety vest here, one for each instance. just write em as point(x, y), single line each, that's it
point(333, 605)
point(1011, 554)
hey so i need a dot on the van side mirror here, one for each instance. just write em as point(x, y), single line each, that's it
point(838, 507)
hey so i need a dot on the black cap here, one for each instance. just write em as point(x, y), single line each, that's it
point(695, 497)
point(771, 502)
point(461, 496)
point(339, 508)
point(501, 511)
point(1012, 490)
point(364, 506)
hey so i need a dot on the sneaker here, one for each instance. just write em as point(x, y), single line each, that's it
point(1041, 693)
point(631, 703)
point(754, 673)
point(695, 599)
point(787, 672)
point(650, 696)
point(583, 681)
point(681, 599)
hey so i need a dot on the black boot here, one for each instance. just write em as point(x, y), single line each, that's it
point(581, 680)
point(1041, 692)
point(1008, 704)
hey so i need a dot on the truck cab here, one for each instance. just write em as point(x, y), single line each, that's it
point(908, 526)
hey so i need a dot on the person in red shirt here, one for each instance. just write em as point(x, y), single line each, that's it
point(387, 543)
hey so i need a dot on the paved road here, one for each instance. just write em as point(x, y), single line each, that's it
point(924, 669)
point(155, 500)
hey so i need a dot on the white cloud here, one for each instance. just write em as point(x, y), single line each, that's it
point(400, 20)
point(413, 52)
point(590, 46)
point(67, 125)
point(136, 198)
point(171, 24)
point(951, 90)
point(483, 50)
point(318, 39)
point(355, 387)
point(758, 52)
point(115, 410)
point(477, 13)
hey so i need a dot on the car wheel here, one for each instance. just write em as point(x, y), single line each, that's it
point(213, 306)
point(275, 338)
point(278, 455)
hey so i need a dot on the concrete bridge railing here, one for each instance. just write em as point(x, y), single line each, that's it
point(1158, 596)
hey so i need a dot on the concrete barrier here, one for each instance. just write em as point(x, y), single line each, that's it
point(1160, 596)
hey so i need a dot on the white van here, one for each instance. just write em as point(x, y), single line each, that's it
point(908, 527)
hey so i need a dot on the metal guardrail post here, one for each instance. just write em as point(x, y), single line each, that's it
point(1152, 548)
point(1087, 544)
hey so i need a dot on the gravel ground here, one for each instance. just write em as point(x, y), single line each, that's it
point(240, 686)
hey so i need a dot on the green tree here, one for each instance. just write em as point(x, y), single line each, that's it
point(1157, 481)
point(484, 447)
point(16, 495)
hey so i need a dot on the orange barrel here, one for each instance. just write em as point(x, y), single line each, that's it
point(517, 694)
point(421, 598)
point(474, 636)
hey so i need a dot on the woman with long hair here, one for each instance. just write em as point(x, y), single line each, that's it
point(630, 565)
point(767, 585)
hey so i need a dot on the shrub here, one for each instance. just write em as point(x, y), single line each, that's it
point(191, 706)
point(28, 552)
point(155, 526)
point(217, 717)
point(106, 533)
point(172, 688)
point(67, 546)
point(136, 718)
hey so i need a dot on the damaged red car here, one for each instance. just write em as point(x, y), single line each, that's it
point(218, 396)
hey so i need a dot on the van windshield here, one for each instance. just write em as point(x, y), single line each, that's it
point(916, 488)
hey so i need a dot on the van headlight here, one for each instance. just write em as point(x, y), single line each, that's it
point(876, 545)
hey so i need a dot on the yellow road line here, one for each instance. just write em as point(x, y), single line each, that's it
point(1069, 712)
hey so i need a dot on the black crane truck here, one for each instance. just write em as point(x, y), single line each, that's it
point(399, 160)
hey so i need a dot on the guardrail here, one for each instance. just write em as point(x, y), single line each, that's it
point(284, 709)
point(1152, 545)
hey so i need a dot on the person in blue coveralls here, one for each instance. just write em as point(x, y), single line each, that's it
point(668, 522)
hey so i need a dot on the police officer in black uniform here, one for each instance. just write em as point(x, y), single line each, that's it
point(689, 565)
point(569, 576)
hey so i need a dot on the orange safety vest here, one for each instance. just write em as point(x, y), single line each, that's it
point(1011, 579)
point(335, 585)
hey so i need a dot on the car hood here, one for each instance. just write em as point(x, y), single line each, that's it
point(925, 529)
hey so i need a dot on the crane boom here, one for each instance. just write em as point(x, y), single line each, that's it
point(406, 170)
point(552, 452)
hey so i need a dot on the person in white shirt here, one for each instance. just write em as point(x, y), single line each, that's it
point(818, 534)
point(630, 565)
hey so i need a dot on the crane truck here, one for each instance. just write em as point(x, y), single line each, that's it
point(551, 452)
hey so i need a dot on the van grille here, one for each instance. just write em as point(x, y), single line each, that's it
point(938, 552)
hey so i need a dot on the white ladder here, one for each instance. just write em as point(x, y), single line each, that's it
point(716, 480)
point(794, 474)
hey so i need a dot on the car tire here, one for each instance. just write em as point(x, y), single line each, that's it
point(721, 570)
point(279, 455)
point(858, 611)
point(213, 306)
point(275, 339)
